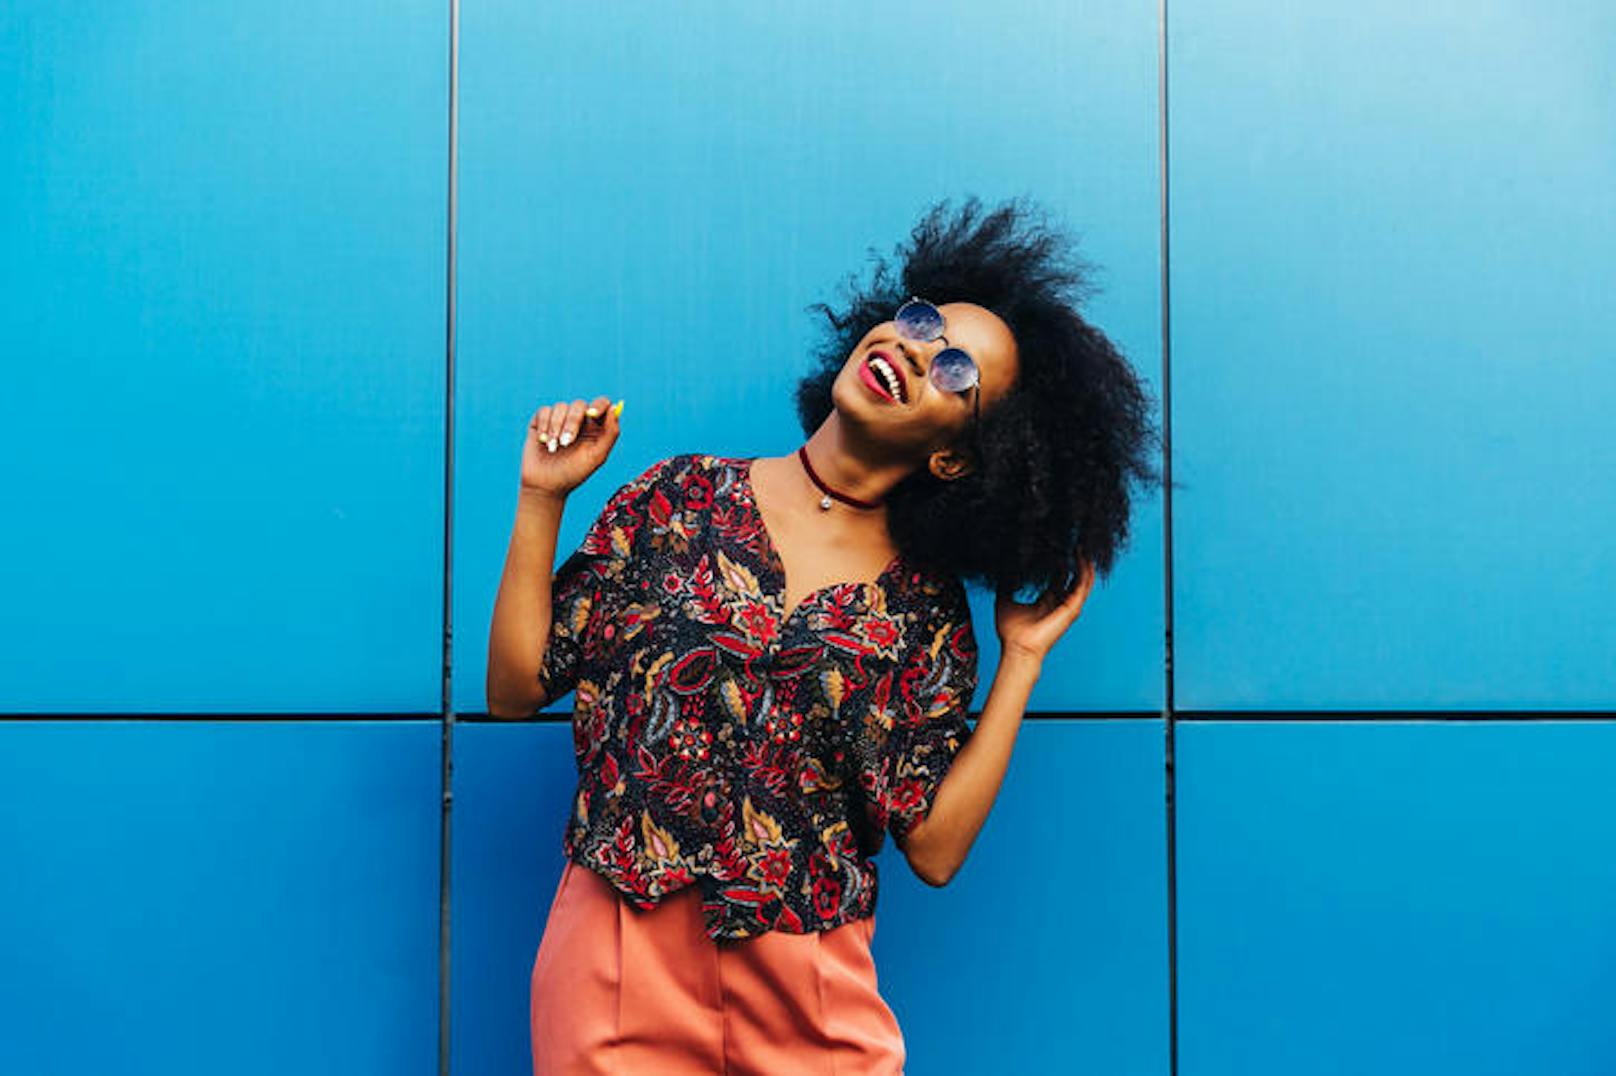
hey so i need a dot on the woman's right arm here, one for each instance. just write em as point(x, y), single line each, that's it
point(521, 627)
point(566, 443)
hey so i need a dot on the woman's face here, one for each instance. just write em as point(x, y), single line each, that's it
point(925, 417)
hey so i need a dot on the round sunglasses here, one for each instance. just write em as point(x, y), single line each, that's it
point(953, 369)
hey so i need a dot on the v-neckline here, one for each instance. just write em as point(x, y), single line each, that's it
point(777, 565)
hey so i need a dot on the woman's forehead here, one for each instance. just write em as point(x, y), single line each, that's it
point(967, 323)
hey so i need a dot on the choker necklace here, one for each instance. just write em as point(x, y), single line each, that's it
point(824, 501)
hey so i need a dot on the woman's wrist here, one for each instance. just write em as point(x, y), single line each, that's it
point(540, 497)
point(1021, 662)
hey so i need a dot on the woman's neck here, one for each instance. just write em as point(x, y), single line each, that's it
point(843, 469)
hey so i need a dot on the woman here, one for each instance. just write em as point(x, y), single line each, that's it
point(773, 657)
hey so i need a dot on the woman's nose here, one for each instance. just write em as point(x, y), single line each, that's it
point(917, 352)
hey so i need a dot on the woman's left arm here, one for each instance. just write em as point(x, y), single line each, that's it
point(937, 846)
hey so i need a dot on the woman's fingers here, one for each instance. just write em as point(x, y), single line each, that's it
point(570, 423)
point(560, 424)
point(552, 430)
point(1080, 592)
point(558, 421)
point(596, 411)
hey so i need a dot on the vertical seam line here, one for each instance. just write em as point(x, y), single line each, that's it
point(1169, 702)
point(446, 689)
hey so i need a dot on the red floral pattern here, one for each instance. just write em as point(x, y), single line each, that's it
point(720, 742)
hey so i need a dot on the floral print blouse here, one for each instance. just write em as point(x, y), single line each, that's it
point(723, 742)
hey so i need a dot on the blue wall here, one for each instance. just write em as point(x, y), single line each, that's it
point(1389, 343)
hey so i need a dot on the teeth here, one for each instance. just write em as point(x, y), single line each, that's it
point(880, 366)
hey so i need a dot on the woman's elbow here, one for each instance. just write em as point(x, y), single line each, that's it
point(930, 865)
point(509, 709)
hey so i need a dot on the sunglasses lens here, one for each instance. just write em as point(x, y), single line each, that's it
point(919, 320)
point(953, 370)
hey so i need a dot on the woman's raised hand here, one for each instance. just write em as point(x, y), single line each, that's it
point(1034, 627)
point(566, 443)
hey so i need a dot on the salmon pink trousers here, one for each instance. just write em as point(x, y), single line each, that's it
point(619, 990)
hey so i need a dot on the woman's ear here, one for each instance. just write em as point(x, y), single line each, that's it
point(948, 464)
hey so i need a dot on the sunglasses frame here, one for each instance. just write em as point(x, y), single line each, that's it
point(976, 375)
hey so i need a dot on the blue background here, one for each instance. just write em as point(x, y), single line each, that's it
point(1359, 822)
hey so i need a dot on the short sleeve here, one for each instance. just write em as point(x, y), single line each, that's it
point(593, 584)
point(934, 689)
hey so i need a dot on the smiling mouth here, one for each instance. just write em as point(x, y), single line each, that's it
point(878, 372)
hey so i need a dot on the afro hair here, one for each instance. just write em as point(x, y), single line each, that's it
point(1055, 456)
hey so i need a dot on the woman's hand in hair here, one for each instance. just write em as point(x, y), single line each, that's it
point(566, 443)
point(1033, 628)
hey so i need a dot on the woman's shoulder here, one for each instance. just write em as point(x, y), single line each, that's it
point(687, 480)
point(680, 464)
point(929, 594)
point(663, 470)
point(687, 470)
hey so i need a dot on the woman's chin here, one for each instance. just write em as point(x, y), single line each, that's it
point(854, 414)
point(857, 404)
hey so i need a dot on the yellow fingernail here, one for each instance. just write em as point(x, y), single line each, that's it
point(591, 412)
point(617, 409)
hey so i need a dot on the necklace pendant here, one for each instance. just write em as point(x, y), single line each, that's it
point(824, 502)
